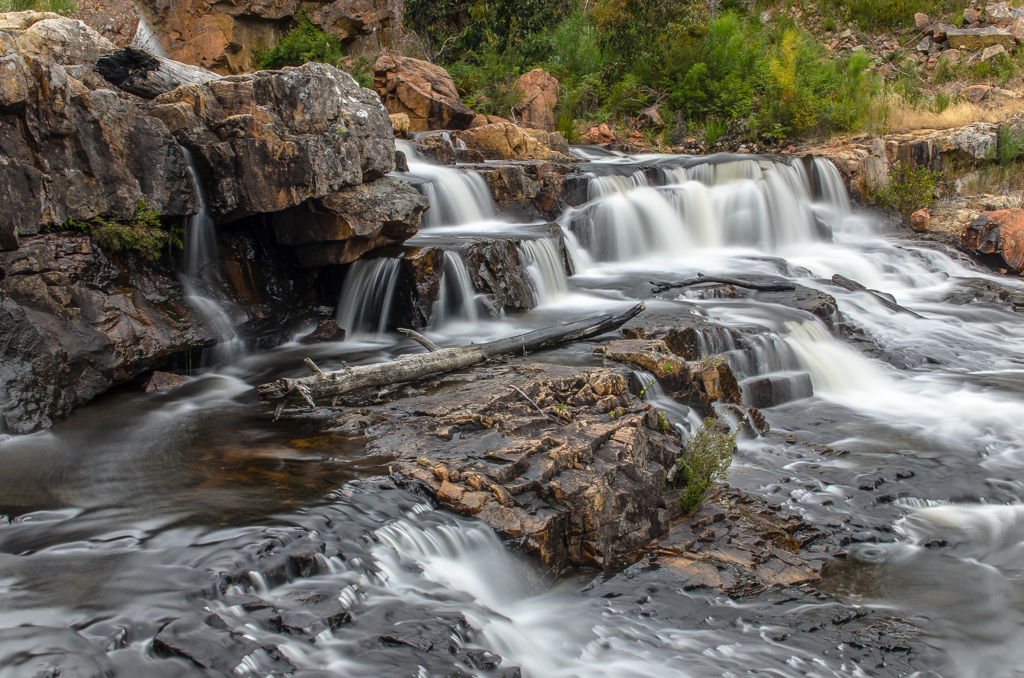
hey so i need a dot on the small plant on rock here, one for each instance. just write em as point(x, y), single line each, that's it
point(304, 43)
point(705, 459)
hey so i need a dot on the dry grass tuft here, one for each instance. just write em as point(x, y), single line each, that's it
point(892, 112)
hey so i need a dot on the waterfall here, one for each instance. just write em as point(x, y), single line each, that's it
point(456, 196)
point(757, 203)
point(367, 294)
point(833, 189)
point(147, 40)
point(544, 264)
point(202, 275)
point(456, 299)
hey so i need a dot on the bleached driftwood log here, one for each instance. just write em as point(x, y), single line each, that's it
point(323, 385)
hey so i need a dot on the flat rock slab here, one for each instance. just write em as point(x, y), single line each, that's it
point(740, 545)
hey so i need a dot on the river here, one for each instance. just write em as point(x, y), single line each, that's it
point(141, 509)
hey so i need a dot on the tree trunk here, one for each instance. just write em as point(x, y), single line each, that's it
point(322, 385)
point(885, 299)
point(737, 282)
point(148, 76)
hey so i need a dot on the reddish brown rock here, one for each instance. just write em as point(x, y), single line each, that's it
point(163, 381)
point(598, 134)
point(423, 91)
point(481, 120)
point(1000, 233)
point(540, 96)
point(920, 220)
point(505, 141)
point(115, 20)
point(922, 21)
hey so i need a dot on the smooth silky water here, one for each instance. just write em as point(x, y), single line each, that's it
point(120, 518)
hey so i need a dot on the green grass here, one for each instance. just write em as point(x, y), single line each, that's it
point(889, 14)
point(1010, 144)
point(63, 7)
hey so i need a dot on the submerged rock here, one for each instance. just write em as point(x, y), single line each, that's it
point(163, 381)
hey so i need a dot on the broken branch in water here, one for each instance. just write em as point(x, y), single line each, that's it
point(737, 282)
point(307, 390)
point(882, 297)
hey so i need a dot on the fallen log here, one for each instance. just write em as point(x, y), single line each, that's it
point(885, 299)
point(149, 76)
point(321, 385)
point(661, 286)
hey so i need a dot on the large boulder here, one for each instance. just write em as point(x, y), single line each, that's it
point(72, 152)
point(339, 228)
point(505, 141)
point(63, 41)
point(423, 91)
point(271, 140)
point(75, 320)
point(999, 233)
point(540, 95)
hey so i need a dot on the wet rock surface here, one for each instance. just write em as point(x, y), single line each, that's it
point(560, 478)
point(533, 190)
point(76, 320)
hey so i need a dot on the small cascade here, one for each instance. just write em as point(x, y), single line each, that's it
point(147, 40)
point(202, 274)
point(833, 190)
point(456, 196)
point(544, 263)
point(367, 295)
point(753, 202)
point(456, 301)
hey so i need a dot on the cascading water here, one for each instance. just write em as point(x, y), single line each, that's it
point(544, 265)
point(202, 277)
point(758, 203)
point(456, 196)
point(146, 39)
point(144, 511)
point(366, 295)
point(456, 299)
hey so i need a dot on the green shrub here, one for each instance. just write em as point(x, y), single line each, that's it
point(62, 7)
point(910, 189)
point(705, 459)
point(362, 71)
point(304, 43)
point(940, 103)
point(1010, 144)
point(714, 130)
point(143, 233)
point(485, 80)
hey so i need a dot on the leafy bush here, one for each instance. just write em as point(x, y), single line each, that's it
point(304, 43)
point(714, 130)
point(705, 459)
point(1010, 143)
point(143, 233)
point(63, 7)
point(485, 79)
point(362, 71)
point(910, 189)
